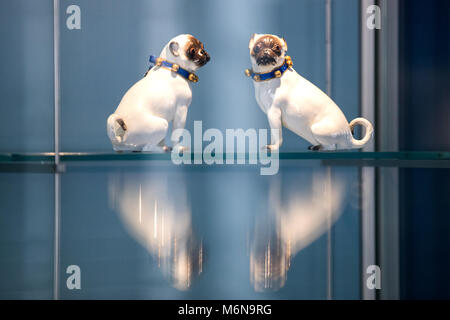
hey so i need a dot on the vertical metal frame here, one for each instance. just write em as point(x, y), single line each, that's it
point(367, 98)
point(379, 187)
point(388, 226)
point(328, 63)
point(57, 186)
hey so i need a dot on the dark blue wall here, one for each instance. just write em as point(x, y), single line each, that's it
point(425, 125)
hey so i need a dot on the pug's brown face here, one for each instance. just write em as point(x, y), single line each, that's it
point(195, 52)
point(267, 50)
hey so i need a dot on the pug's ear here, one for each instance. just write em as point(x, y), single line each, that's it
point(174, 47)
point(284, 44)
point(252, 41)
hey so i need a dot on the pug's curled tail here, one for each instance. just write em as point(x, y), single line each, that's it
point(116, 128)
point(369, 132)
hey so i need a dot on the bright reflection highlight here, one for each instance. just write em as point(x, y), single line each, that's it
point(298, 214)
point(154, 209)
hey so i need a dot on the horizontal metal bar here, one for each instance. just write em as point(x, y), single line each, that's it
point(134, 156)
point(399, 163)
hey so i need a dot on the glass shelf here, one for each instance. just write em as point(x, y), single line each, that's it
point(45, 162)
point(47, 157)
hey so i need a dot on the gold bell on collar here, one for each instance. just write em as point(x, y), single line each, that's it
point(159, 61)
point(289, 61)
point(248, 72)
point(278, 73)
point(193, 77)
point(175, 67)
point(256, 77)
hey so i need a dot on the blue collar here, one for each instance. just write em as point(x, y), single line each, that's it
point(174, 67)
point(275, 73)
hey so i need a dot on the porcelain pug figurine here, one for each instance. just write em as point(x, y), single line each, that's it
point(290, 100)
point(141, 121)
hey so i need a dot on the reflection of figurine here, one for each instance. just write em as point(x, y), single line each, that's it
point(160, 220)
point(270, 257)
point(295, 220)
point(142, 118)
point(290, 100)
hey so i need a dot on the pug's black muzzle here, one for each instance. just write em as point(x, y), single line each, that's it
point(204, 58)
point(266, 58)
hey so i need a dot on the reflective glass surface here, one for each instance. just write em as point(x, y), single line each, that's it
point(153, 230)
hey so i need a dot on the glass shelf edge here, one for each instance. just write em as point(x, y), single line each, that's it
point(137, 156)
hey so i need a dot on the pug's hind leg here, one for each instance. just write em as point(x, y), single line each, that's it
point(314, 147)
point(150, 132)
point(163, 145)
point(324, 132)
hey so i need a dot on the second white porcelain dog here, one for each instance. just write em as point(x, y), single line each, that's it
point(141, 121)
point(289, 99)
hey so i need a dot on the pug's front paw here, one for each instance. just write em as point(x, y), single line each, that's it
point(272, 147)
point(179, 149)
point(155, 149)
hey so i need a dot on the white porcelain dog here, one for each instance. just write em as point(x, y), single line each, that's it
point(142, 118)
point(289, 99)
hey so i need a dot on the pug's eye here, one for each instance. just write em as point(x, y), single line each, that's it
point(256, 49)
point(277, 47)
point(192, 51)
